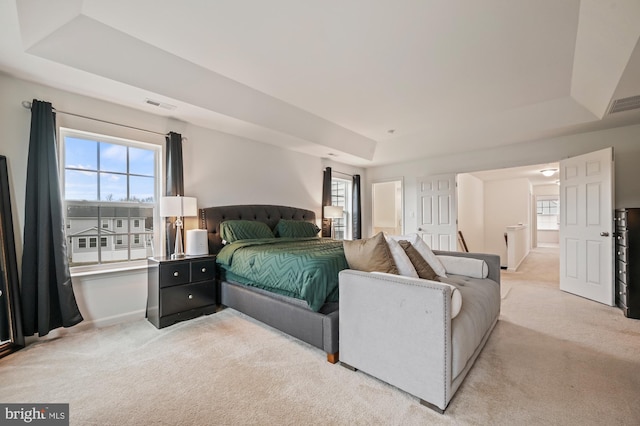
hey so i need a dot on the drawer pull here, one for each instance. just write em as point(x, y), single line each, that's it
point(620, 272)
point(204, 270)
point(176, 273)
point(191, 296)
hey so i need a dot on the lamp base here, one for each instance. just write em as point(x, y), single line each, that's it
point(178, 250)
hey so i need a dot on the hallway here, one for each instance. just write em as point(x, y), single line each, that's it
point(540, 267)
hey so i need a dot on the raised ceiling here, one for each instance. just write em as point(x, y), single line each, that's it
point(337, 76)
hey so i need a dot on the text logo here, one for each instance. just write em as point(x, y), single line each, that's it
point(34, 414)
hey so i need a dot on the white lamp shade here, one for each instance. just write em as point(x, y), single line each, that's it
point(333, 212)
point(178, 206)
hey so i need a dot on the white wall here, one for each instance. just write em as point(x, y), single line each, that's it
point(506, 204)
point(471, 211)
point(624, 140)
point(220, 169)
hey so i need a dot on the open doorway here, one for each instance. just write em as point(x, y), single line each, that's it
point(496, 205)
point(387, 207)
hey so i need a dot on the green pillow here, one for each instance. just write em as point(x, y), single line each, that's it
point(234, 230)
point(296, 229)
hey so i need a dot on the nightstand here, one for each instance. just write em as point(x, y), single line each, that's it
point(180, 289)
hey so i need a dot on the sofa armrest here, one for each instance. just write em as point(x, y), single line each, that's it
point(493, 261)
point(398, 329)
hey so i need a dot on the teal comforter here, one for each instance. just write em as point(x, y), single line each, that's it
point(303, 268)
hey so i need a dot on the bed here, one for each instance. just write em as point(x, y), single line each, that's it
point(303, 316)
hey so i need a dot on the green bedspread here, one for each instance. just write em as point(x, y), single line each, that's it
point(303, 268)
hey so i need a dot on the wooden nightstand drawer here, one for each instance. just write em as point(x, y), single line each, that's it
point(186, 297)
point(202, 270)
point(174, 273)
point(180, 289)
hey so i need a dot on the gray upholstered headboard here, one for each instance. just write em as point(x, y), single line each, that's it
point(211, 217)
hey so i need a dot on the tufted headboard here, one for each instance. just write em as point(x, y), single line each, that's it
point(211, 217)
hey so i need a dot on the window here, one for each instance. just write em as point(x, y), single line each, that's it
point(136, 239)
point(107, 178)
point(341, 196)
point(548, 214)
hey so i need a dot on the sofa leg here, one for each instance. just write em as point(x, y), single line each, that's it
point(332, 358)
point(430, 405)
point(347, 366)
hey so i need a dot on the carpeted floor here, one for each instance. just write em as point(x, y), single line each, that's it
point(553, 359)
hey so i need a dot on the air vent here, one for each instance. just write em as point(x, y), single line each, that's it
point(160, 104)
point(625, 104)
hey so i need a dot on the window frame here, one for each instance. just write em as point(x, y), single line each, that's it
point(344, 225)
point(156, 235)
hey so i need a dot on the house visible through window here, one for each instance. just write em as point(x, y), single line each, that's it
point(341, 196)
point(108, 180)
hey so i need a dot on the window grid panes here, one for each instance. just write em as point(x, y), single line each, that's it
point(110, 191)
point(548, 214)
point(341, 196)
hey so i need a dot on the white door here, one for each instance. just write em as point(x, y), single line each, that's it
point(586, 226)
point(437, 211)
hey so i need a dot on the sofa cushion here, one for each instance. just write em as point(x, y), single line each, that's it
point(480, 309)
point(370, 254)
point(421, 266)
point(424, 250)
point(404, 264)
point(458, 265)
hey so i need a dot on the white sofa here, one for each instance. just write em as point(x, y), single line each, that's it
point(400, 329)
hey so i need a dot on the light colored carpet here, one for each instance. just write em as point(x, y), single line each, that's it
point(552, 359)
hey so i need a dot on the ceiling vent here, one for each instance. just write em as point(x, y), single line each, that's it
point(160, 104)
point(625, 104)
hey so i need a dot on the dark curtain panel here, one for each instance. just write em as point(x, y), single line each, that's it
point(357, 208)
point(175, 180)
point(48, 301)
point(326, 201)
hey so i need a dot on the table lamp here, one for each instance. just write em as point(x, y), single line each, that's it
point(179, 207)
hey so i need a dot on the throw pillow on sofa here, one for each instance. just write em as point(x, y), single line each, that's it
point(421, 266)
point(404, 264)
point(370, 254)
point(474, 268)
point(425, 251)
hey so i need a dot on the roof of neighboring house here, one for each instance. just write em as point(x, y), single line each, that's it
point(109, 212)
point(92, 231)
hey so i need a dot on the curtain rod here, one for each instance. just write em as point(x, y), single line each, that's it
point(342, 173)
point(27, 105)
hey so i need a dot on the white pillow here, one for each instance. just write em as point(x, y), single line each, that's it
point(403, 263)
point(456, 300)
point(424, 251)
point(456, 265)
